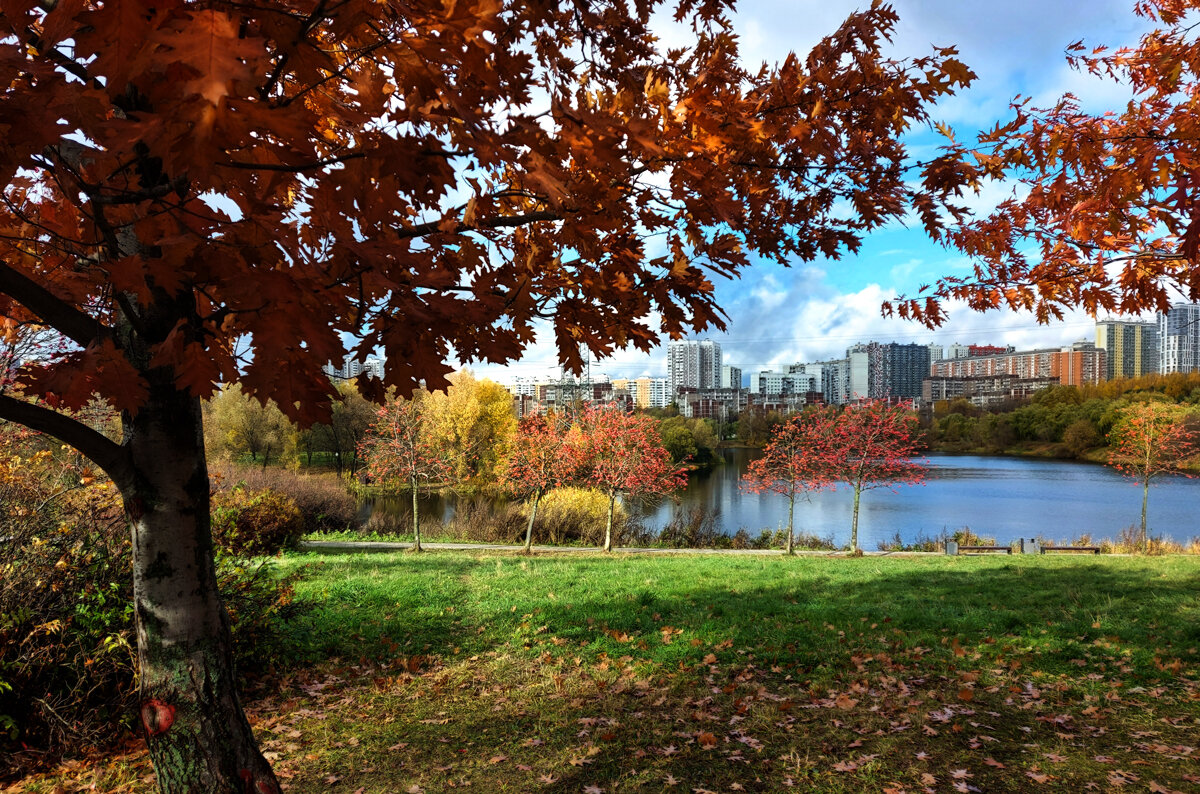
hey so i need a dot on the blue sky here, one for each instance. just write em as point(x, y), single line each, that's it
point(814, 310)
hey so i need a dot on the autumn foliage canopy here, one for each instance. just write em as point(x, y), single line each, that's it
point(1107, 216)
point(201, 186)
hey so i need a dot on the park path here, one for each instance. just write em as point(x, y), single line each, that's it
point(382, 546)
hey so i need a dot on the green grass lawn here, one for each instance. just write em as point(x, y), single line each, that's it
point(717, 673)
point(711, 673)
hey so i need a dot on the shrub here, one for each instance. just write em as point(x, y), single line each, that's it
point(249, 523)
point(324, 500)
point(67, 643)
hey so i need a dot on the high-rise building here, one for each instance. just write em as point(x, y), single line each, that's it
point(858, 373)
point(957, 351)
point(695, 365)
point(1179, 338)
point(936, 351)
point(351, 367)
point(731, 377)
point(896, 370)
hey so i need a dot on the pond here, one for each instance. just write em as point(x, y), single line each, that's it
point(1000, 497)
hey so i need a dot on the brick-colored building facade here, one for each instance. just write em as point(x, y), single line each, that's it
point(1072, 367)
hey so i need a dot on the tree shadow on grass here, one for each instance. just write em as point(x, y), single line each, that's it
point(805, 616)
point(801, 632)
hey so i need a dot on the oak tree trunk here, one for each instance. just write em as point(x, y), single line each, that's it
point(198, 736)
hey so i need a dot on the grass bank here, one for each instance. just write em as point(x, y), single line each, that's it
point(704, 674)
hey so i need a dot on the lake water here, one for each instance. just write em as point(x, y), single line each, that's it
point(1004, 498)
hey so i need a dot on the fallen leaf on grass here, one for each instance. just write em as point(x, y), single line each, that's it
point(845, 702)
point(496, 759)
point(993, 762)
point(707, 740)
point(1037, 777)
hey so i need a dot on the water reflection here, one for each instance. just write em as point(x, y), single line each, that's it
point(1005, 498)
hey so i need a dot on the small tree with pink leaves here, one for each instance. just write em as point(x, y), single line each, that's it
point(624, 456)
point(546, 453)
point(866, 445)
point(1148, 440)
point(397, 450)
point(789, 466)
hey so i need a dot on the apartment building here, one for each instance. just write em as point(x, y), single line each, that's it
point(1179, 338)
point(1130, 348)
point(1081, 363)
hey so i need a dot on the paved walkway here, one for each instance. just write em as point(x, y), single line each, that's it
point(334, 546)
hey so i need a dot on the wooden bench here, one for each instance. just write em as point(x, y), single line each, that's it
point(1005, 549)
point(1089, 549)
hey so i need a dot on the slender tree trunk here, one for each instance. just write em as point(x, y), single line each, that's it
point(854, 521)
point(791, 544)
point(198, 736)
point(612, 498)
point(1145, 499)
point(416, 519)
point(537, 497)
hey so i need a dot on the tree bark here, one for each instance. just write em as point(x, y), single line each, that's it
point(854, 521)
point(1145, 499)
point(612, 498)
point(198, 736)
point(537, 497)
point(416, 519)
point(791, 544)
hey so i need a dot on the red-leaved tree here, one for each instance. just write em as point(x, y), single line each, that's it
point(1151, 439)
point(789, 466)
point(547, 452)
point(624, 456)
point(398, 450)
point(202, 191)
point(866, 445)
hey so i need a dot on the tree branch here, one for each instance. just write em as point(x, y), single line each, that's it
point(105, 453)
point(78, 326)
point(293, 169)
point(433, 227)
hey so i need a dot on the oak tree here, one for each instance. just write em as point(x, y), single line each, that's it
point(623, 455)
point(1151, 439)
point(398, 449)
point(1106, 215)
point(218, 191)
point(790, 465)
point(867, 445)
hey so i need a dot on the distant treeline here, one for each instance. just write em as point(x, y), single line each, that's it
point(1061, 421)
